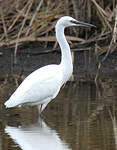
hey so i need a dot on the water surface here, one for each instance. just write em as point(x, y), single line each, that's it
point(82, 117)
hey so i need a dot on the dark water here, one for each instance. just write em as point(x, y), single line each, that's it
point(82, 117)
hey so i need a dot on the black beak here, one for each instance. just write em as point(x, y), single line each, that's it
point(80, 23)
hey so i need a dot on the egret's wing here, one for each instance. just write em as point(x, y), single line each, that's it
point(39, 85)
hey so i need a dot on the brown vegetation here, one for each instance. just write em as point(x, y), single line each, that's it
point(33, 20)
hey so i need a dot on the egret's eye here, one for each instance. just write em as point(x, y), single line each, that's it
point(73, 21)
point(80, 23)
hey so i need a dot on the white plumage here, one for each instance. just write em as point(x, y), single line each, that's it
point(43, 85)
point(38, 88)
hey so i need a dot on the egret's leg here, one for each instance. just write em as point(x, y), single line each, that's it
point(39, 109)
point(44, 106)
point(40, 120)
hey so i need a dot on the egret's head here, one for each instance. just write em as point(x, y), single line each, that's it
point(67, 21)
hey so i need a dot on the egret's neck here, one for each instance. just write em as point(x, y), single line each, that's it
point(66, 59)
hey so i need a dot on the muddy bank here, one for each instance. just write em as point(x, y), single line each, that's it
point(32, 57)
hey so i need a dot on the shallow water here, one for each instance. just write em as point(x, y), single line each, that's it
point(82, 117)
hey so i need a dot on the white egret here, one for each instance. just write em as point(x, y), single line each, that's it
point(43, 85)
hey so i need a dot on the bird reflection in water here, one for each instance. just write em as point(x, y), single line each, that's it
point(36, 137)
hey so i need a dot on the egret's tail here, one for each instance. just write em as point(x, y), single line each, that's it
point(9, 103)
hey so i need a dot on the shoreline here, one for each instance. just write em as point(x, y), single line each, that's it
point(28, 60)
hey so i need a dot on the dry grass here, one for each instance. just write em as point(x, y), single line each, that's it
point(34, 20)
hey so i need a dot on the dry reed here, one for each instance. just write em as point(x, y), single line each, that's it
point(29, 21)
